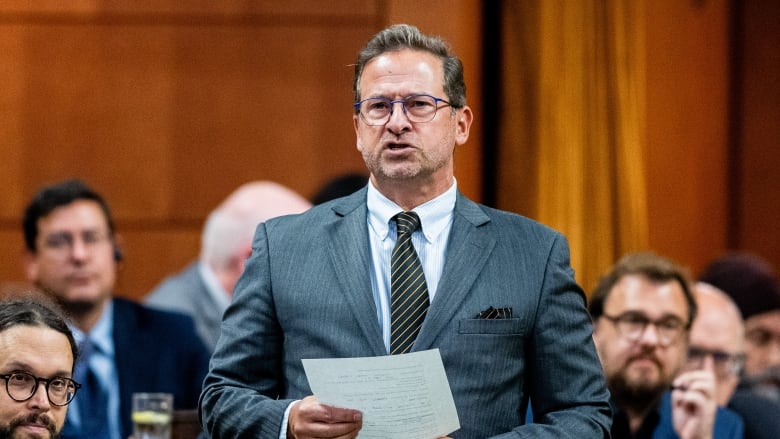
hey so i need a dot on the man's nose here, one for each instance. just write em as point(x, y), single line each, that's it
point(40, 398)
point(650, 335)
point(78, 249)
point(398, 114)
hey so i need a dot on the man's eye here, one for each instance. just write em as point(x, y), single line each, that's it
point(58, 241)
point(759, 337)
point(669, 324)
point(634, 320)
point(57, 384)
point(378, 106)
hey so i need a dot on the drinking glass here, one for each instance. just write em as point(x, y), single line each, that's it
point(152, 415)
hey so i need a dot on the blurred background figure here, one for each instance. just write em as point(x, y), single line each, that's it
point(72, 256)
point(203, 289)
point(340, 186)
point(642, 311)
point(753, 285)
point(36, 347)
point(718, 333)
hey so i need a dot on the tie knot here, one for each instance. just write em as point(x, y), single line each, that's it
point(407, 222)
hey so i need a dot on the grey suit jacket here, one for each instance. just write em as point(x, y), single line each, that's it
point(187, 293)
point(306, 293)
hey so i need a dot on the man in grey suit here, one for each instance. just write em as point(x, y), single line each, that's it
point(204, 288)
point(500, 302)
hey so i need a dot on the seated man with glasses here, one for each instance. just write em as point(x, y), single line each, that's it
point(718, 332)
point(73, 256)
point(642, 310)
point(37, 355)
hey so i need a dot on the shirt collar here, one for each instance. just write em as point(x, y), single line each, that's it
point(101, 335)
point(220, 296)
point(434, 214)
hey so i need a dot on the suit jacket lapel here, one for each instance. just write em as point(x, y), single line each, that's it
point(349, 248)
point(125, 326)
point(468, 250)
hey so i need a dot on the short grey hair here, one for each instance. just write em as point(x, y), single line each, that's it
point(404, 36)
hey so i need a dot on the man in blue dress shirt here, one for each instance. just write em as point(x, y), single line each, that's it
point(72, 255)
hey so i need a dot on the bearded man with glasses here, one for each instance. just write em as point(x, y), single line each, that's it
point(642, 311)
point(37, 354)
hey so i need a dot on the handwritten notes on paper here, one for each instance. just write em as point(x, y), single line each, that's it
point(401, 396)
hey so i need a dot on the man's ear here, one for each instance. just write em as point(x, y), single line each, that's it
point(30, 266)
point(463, 123)
point(119, 254)
point(355, 123)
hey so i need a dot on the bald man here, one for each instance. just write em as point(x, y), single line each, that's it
point(204, 288)
point(717, 332)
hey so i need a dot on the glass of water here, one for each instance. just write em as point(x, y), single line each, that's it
point(151, 415)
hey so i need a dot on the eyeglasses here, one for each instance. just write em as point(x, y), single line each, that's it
point(418, 108)
point(62, 243)
point(725, 363)
point(632, 325)
point(21, 386)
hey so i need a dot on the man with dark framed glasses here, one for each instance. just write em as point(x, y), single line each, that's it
point(642, 311)
point(37, 355)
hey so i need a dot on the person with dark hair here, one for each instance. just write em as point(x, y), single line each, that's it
point(340, 186)
point(408, 264)
point(72, 256)
point(642, 310)
point(753, 285)
point(36, 347)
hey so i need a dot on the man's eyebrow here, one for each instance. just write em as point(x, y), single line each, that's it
point(17, 365)
point(24, 367)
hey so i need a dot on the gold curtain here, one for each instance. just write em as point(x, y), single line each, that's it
point(571, 124)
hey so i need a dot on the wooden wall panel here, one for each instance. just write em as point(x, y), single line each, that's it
point(757, 151)
point(687, 128)
point(167, 106)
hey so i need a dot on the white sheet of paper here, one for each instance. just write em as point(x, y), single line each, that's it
point(401, 396)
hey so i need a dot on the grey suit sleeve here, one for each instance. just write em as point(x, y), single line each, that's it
point(239, 398)
point(566, 381)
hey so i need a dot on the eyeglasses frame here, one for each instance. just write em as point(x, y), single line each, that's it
point(615, 320)
point(38, 381)
point(736, 362)
point(391, 105)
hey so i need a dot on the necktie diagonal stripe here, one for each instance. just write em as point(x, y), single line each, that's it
point(408, 290)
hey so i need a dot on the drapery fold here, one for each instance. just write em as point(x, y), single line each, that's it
point(571, 123)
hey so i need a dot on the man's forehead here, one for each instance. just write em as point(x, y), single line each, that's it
point(35, 349)
point(638, 293)
point(80, 214)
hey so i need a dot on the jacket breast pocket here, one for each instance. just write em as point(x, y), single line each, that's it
point(492, 327)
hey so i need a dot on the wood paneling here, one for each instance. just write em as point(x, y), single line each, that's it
point(687, 121)
point(756, 152)
point(166, 106)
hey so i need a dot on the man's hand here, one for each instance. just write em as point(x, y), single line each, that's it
point(693, 402)
point(310, 419)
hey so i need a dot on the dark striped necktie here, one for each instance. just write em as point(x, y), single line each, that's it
point(408, 290)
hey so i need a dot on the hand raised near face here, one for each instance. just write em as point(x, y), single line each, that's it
point(693, 402)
